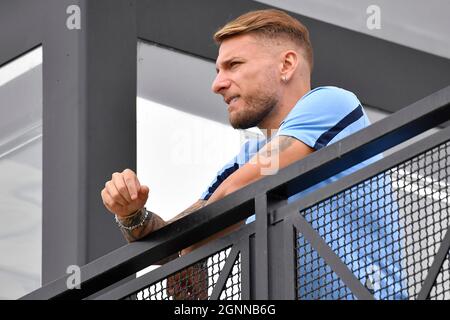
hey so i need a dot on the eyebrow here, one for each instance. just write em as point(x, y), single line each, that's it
point(227, 62)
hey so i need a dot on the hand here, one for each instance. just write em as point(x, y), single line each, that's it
point(123, 194)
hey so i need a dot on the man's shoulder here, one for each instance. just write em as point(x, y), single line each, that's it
point(324, 102)
point(330, 96)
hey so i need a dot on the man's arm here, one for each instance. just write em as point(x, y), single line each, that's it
point(154, 223)
point(125, 197)
point(282, 150)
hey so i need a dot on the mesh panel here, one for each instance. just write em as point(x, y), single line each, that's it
point(316, 280)
point(194, 282)
point(441, 288)
point(232, 290)
point(386, 229)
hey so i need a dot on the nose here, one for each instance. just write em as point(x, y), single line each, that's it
point(220, 83)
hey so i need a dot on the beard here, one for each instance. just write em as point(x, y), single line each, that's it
point(254, 111)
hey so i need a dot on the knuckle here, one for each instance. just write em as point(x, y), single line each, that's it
point(129, 181)
point(107, 203)
point(115, 175)
point(116, 198)
point(110, 185)
point(112, 193)
point(128, 171)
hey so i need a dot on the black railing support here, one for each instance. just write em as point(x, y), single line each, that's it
point(261, 248)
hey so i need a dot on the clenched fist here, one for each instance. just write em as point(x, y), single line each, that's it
point(123, 194)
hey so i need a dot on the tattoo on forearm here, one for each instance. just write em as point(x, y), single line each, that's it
point(153, 222)
point(276, 147)
point(285, 142)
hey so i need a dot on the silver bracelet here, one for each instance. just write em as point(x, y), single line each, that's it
point(119, 223)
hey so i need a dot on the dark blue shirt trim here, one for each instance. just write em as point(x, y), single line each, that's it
point(327, 136)
point(220, 178)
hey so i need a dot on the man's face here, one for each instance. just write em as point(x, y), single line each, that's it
point(247, 79)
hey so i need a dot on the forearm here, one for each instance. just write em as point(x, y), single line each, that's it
point(151, 224)
point(220, 193)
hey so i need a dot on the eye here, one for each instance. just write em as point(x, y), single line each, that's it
point(234, 64)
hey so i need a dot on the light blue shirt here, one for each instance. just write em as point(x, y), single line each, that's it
point(321, 117)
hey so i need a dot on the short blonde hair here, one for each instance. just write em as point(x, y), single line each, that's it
point(272, 24)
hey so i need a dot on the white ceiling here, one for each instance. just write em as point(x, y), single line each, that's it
point(423, 25)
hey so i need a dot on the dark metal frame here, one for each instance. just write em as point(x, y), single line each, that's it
point(267, 197)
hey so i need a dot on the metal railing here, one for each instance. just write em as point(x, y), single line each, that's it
point(379, 233)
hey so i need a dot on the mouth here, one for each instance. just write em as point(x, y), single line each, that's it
point(231, 100)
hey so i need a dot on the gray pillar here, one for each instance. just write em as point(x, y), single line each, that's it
point(89, 127)
point(20, 27)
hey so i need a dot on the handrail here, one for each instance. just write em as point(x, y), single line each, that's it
point(384, 134)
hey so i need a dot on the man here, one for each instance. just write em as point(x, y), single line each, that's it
point(263, 73)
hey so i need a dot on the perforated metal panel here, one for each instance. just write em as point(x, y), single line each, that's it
point(386, 229)
point(196, 282)
point(232, 289)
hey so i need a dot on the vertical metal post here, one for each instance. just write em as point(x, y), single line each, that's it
point(289, 262)
point(245, 268)
point(277, 261)
point(89, 125)
point(261, 267)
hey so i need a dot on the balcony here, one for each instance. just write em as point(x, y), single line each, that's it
point(382, 232)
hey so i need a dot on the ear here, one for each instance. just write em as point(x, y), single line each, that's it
point(289, 63)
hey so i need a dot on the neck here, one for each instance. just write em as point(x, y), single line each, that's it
point(272, 121)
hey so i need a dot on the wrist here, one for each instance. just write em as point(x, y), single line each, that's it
point(134, 220)
point(127, 218)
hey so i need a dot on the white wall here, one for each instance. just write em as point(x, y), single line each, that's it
point(21, 175)
point(178, 155)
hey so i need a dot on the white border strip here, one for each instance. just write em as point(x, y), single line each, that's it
point(19, 66)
